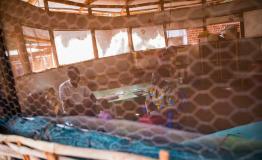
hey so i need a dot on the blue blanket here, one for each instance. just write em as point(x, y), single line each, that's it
point(43, 129)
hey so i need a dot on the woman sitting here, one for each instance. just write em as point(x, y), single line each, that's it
point(162, 93)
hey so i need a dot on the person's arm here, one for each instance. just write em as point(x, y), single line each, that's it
point(148, 96)
point(93, 97)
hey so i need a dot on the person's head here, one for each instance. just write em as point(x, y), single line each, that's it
point(74, 75)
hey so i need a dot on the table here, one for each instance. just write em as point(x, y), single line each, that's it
point(123, 93)
point(117, 97)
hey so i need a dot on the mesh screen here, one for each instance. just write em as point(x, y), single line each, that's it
point(197, 101)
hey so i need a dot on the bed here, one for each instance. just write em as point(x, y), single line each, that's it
point(139, 139)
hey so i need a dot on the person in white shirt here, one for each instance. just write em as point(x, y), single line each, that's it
point(74, 96)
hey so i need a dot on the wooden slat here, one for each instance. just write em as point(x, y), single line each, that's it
point(6, 151)
point(102, 6)
point(63, 150)
point(23, 52)
point(40, 47)
point(25, 156)
point(17, 152)
point(36, 39)
point(69, 3)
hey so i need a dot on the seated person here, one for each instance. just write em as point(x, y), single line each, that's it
point(161, 93)
point(51, 97)
point(74, 96)
point(153, 116)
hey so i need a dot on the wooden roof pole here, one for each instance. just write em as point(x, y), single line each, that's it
point(129, 30)
point(204, 4)
point(88, 2)
point(93, 34)
point(127, 8)
point(161, 5)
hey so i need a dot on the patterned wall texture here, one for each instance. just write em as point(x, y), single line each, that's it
point(220, 83)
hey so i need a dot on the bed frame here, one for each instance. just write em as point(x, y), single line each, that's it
point(13, 146)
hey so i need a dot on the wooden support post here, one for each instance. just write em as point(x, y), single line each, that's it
point(127, 11)
point(25, 157)
point(94, 43)
point(165, 35)
point(51, 36)
point(129, 32)
point(90, 11)
point(161, 3)
point(39, 147)
point(205, 15)
point(242, 26)
point(130, 39)
point(46, 6)
point(52, 39)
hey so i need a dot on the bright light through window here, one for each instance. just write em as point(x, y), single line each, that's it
point(112, 42)
point(13, 52)
point(148, 38)
point(39, 48)
point(73, 46)
point(177, 37)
